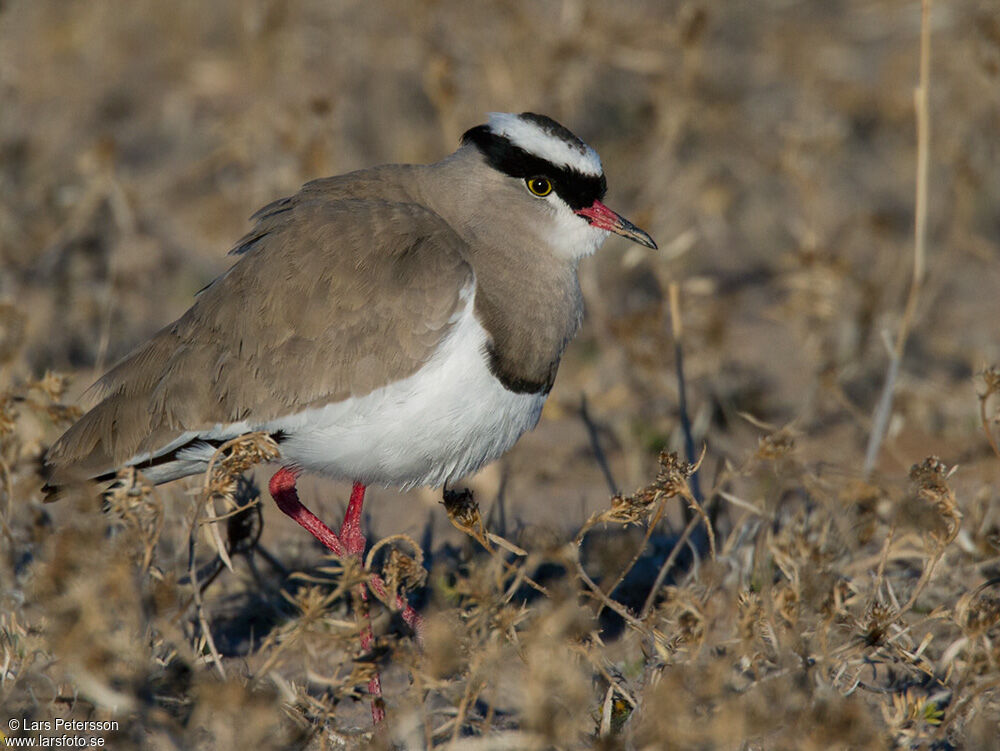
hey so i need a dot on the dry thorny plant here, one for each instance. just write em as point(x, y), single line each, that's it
point(828, 613)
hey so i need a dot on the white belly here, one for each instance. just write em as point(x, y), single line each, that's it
point(445, 421)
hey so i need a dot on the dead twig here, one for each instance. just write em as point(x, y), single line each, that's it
point(677, 329)
point(639, 550)
point(198, 603)
point(668, 564)
point(883, 409)
point(463, 513)
point(595, 445)
point(991, 378)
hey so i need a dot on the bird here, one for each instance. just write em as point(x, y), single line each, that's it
point(400, 325)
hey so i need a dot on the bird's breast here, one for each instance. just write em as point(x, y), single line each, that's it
point(529, 323)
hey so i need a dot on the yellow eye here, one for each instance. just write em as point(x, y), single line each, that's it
point(539, 186)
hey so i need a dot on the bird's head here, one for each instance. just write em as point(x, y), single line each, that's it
point(557, 178)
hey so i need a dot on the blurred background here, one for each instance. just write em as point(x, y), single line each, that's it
point(768, 147)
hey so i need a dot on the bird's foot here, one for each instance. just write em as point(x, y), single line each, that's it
point(282, 487)
point(350, 542)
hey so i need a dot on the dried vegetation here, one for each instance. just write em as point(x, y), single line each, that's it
point(763, 593)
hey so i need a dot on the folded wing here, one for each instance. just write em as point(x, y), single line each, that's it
point(332, 297)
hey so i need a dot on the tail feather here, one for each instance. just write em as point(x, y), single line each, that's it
point(122, 427)
point(191, 458)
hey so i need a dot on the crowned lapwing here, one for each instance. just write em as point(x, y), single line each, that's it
point(400, 325)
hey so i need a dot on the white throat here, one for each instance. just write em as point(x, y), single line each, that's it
point(572, 237)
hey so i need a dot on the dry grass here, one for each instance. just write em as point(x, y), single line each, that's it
point(787, 599)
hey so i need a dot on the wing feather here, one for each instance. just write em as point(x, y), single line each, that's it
point(332, 297)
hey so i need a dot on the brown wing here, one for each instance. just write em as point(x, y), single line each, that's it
point(330, 299)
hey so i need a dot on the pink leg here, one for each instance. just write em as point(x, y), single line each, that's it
point(282, 488)
point(350, 530)
point(350, 542)
point(354, 542)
